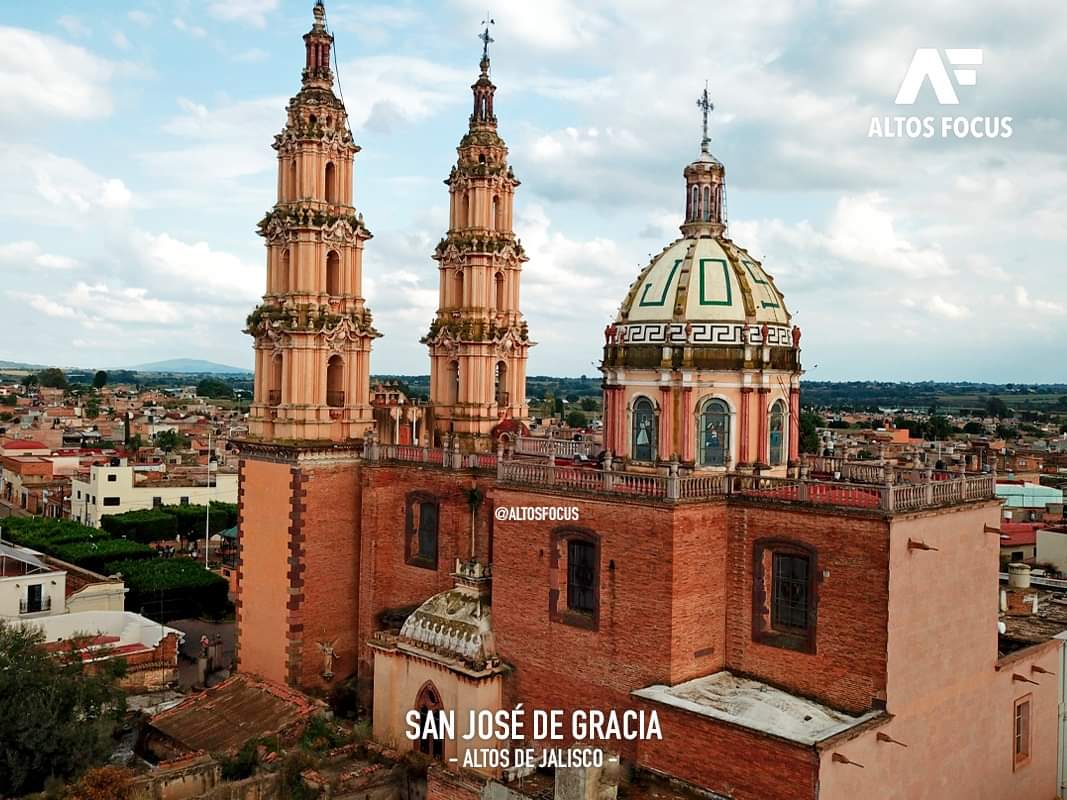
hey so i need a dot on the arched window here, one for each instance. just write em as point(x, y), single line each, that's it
point(274, 388)
point(707, 203)
point(284, 281)
point(294, 190)
point(694, 204)
point(333, 274)
point(466, 211)
point(459, 289)
point(494, 219)
point(335, 382)
point(453, 382)
point(643, 441)
point(714, 434)
point(501, 392)
point(777, 433)
point(331, 182)
point(429, 702)
point(501, 299)
point(421, 520)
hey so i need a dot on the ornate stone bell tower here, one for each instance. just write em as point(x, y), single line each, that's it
point(312, 331)
point(478, 341)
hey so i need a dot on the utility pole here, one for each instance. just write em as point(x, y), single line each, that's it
point(207, 505)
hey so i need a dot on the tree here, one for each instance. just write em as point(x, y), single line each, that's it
point(92, 408)
point(589, 404)
point(810, 422)
point(100, 379)
point(30, 381)
point(136, 442)
point(215, 389)
point(52, 378)
point(168, 441)
point(576, 419)
point(996, 407)
point(974, 428)
point(56, 718)
point(938, 427)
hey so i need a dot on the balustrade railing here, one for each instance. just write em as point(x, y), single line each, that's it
point(870, 487)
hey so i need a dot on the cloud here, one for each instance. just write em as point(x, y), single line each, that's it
point(1023, 300)
point(142, 18)
point(44, 305)
point(193, 30)
point(941, 307)
point(202, 268)
point(400, 89)
point(118, 38)
point(254, 12)
point(46, 76)
point(73, 26)
point(25, 253)
point(55, 190)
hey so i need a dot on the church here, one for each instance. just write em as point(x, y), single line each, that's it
point(799, 627)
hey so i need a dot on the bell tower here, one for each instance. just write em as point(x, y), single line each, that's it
point(312, 331)
point(478, 340)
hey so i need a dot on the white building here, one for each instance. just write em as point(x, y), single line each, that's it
point(33, 586)
point(116, 489)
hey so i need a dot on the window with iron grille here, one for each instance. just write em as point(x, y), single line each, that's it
point(427, 531)
point(789, 601)
point(581, 576)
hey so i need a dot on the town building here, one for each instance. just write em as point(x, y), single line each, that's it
point(802, 628)
point(118, 487)
point(82, 614)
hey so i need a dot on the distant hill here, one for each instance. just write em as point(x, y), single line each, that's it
point(190, 366)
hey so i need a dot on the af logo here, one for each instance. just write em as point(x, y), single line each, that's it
point(927, 63)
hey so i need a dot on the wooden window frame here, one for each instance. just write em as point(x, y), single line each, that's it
point(1021, 759)
point(559, 550)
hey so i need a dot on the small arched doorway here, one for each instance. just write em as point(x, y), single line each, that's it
point(429, 702)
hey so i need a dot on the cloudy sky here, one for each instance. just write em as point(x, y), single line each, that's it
point(137, 160)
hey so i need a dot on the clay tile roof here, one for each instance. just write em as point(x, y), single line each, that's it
point(24, 444)
point(223, 718)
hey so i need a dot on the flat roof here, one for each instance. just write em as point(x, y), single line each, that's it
point(757, 706)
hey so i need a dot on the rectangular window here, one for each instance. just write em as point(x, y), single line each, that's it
point(112, 501)
point(427, 532)
point(1022, 731)
point(789, 602)
point(157, 502)
point(184, 501)
point(34, 598)
point(112, 478)
point(581, 576)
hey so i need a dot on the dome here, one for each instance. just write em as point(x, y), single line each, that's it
point(456, 625)
point(703, 281)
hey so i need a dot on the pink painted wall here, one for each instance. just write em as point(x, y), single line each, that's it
point(949, 700)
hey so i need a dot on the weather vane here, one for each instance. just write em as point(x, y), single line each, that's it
point(705, 105)
point(484, 35)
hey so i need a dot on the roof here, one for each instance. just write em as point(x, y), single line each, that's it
point(223, 718)
point(707, 279)
point(757, 706)
point(23, 444)
point(1028, 495)
point(1016, 534)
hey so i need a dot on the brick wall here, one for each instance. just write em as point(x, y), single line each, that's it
point(729, 760)
point(848, 668)
point(388, 581)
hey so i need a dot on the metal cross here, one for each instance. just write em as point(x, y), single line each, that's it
point(484, 35)
point(705, 105)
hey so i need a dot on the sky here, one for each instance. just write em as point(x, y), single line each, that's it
point(136, 161)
